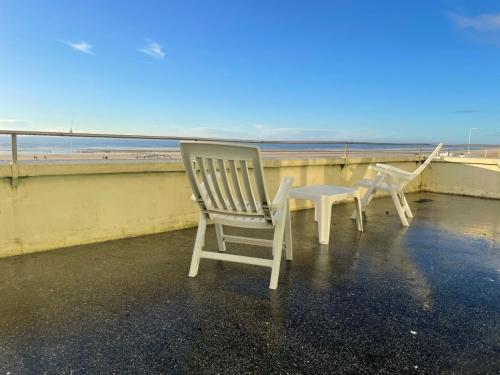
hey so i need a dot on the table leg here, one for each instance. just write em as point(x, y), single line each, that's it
point(324, 207)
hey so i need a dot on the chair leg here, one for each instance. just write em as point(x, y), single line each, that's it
point(277, 249)
point(324, 223)
point(198, 246)
point(288, 234)
point(368, 196)
point(220, 237)
point(406, 206)
point(359, 213)
point(397, 203)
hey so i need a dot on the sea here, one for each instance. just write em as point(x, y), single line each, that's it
point(67, 145)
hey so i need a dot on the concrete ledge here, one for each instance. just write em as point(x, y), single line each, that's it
point(32, 169)
point(485, 161)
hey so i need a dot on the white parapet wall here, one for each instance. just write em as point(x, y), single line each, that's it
point(56, 205)
point(476, 177)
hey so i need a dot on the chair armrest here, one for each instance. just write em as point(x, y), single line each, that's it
point(281, 197)
point(392, 171)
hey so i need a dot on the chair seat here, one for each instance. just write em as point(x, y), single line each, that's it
point(381, 185)
point(241, 221)
point(238, 221)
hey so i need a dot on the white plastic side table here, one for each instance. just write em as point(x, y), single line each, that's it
point(324, 196)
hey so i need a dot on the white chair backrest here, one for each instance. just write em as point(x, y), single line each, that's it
point(230, 179)
point(427, 161)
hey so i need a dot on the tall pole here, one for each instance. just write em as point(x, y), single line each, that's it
point(470, 136)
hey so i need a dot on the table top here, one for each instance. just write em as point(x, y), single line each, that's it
point(316, 191)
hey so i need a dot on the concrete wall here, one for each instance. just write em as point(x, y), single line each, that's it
point(58, 205)
point(473, 177)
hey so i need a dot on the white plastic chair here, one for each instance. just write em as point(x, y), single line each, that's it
point(227, 180)
point(393, 180)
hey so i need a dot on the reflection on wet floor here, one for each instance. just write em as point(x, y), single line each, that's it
point(391, 299)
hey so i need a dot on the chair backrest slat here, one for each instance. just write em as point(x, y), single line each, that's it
point(247, 185)
point(237, 185)
point(203, 173)
point(227, 179)
point(225, 184)
point(215, 183)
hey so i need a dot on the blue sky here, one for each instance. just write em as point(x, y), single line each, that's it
point(337, 70)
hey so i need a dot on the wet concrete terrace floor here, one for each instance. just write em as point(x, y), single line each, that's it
point(391, 300)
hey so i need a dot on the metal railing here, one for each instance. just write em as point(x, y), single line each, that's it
point(344, 149)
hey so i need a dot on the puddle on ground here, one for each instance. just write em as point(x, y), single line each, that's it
point(423, 200)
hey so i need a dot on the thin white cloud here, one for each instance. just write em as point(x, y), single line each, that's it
point(14, 124)
point(265, 132)
point(153, 49)
point(20, 124)
point(466, 110)
point(82, 46)
point(483, 22)
point(12, 121)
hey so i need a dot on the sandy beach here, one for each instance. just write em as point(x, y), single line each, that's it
point(174, 155)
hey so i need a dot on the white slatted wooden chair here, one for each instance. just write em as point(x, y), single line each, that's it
point(227, 180)
point(393, 180)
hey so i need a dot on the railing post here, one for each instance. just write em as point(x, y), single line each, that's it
point(13, 146)
point(346, 151)
point(14, 166)
point(420, 153)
